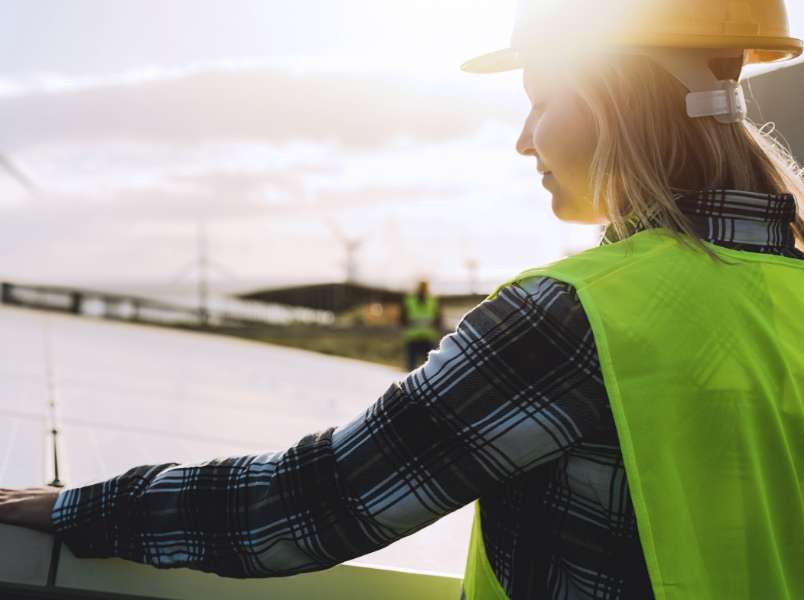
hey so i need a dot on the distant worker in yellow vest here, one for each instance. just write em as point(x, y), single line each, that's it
point(421, 320)
point(627, 422)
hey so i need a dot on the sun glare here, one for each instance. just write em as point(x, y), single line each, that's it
point(432, 33)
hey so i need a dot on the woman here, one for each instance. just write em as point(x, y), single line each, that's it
point(628, 418)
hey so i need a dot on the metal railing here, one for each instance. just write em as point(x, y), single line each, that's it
point(220, 312)
point(34, 566)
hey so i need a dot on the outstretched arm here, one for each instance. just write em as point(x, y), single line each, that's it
point(514, 387)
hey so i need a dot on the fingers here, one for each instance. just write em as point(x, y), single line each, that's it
point(28, 491)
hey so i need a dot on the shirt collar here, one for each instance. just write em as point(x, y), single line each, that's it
point(730, 217)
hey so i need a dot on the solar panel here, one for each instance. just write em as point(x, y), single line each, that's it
point(127, 395)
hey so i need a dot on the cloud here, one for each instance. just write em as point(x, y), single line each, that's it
point(254, 103)
point(424, 171)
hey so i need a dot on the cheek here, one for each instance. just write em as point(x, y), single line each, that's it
point(565, 136)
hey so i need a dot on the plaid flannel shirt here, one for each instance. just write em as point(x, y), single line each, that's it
point(511, 408)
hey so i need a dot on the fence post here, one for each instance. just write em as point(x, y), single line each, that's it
point(75, 302)
point(6, 293)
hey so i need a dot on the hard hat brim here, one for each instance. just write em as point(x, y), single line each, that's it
point(761, 50)
point(507, 59)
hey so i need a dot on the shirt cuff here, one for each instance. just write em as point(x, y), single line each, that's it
point(58, 515)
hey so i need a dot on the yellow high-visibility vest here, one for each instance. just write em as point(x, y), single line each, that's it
point(703, 365)
point(422, 318)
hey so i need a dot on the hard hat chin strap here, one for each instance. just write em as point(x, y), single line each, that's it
point(709, 96)
point(727, 105)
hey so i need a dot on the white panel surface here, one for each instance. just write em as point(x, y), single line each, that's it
point(128, 395)
point(24, 555)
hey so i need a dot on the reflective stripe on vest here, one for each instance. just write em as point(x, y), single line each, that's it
point(422, 317)
point(703, 365)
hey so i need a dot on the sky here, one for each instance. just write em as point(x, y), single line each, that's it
point(284, 128)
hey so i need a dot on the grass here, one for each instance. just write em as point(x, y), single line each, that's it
point(378, 345)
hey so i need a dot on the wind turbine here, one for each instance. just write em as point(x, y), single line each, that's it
point(203, 265)
point(472, 265)
point(351, 246)
point(16, 174)
point(53, 430)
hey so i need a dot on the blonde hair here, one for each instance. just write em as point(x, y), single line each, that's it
point(648, 149)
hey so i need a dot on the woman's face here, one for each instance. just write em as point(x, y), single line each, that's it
point(560, 133)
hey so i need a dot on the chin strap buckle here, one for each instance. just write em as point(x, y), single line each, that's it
point(727, 105)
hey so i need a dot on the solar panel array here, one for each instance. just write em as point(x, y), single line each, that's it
point(122, 395)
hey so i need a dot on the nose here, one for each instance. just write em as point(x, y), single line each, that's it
point(524, 144)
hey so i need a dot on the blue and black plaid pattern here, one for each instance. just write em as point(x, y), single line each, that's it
point(735, 219)
point(511, 409)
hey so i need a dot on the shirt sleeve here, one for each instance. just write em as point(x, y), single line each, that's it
point(515, 386)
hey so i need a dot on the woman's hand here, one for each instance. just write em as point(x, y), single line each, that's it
point(30, 507)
